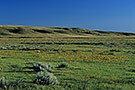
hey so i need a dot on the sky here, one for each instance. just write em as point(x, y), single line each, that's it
point(109, 15)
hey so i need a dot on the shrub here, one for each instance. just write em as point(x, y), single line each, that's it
point(37, 51)
point(132, 80)
point(63, 65)
point(3, 83)
point(46, 78)
point(39, 66)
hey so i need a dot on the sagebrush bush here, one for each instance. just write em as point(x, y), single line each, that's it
point(37, 51)
point(63, 65)
point(3, 83)
point(46, 78)
point(132, 80)
point(40, 66)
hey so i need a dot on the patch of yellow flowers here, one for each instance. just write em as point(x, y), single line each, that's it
point(77, 57)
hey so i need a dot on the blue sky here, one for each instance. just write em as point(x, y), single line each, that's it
point(111, 15)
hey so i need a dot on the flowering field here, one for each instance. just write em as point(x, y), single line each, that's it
point(96, 63)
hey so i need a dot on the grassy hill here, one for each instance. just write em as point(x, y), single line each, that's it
point(14, 30)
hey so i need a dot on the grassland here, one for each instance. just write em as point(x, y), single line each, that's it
point(97, 60)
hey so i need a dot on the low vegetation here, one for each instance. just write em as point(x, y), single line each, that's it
point(46, 78)
point(40, 66)
point(63, 65)
point(59, 58)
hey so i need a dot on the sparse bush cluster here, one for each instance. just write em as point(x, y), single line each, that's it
point(5, 85)
point(44, 76)
point(20, 47)
point(12, 47)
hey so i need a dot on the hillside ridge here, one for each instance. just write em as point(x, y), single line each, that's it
point(18, 30)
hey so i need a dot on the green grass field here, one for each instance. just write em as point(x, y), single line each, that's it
point(103, 62)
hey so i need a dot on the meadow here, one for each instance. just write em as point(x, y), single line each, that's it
point(94, 63)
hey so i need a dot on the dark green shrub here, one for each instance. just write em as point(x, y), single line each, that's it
point(132, 80)
point(3, 83)
point(46, 78)
point(63, 65)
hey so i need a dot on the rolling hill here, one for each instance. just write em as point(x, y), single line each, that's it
point(16, 30)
